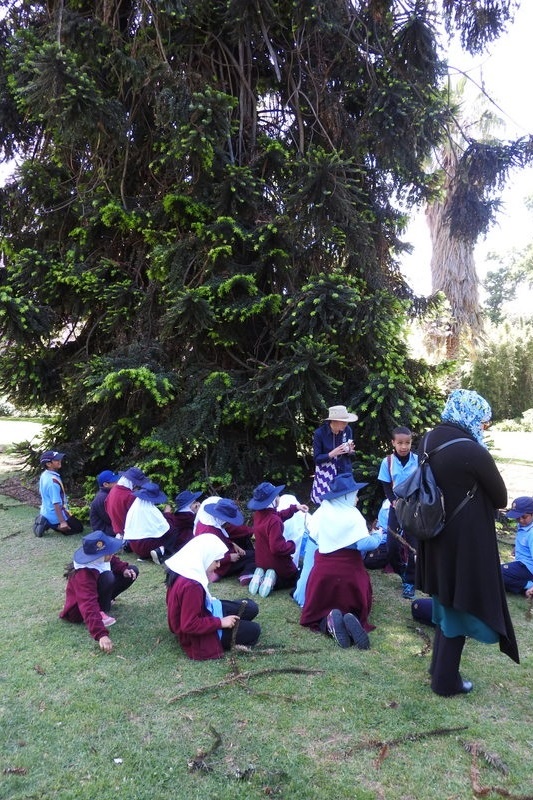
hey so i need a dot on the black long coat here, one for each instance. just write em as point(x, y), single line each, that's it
point(461, 566)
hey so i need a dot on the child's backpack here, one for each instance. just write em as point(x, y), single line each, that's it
point(420, 504)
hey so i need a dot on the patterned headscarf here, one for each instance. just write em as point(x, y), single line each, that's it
point(468, 409)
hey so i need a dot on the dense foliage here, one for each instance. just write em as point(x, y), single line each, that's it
point(200, 238)
point(503, 371)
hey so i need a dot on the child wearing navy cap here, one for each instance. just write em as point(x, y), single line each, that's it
point(95, 577)
point(98, 516)
point(518, 574)
point(54, 511)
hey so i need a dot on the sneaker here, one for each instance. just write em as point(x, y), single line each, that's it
point(245, 580)
point(268, 583)
point(356, 632)
point(257, 578)
point(408, 591)
point(158, 555)
point(40, 525)
point(336, 628)
point(107, 620)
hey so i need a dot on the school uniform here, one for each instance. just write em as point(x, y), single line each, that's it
point(117, 504)
point(194, 616)
point(90, 591)
point(272, 550)
point(53, 492)
point(98, 516)
point(393, 471)
point(518, 574)
point(338, 578)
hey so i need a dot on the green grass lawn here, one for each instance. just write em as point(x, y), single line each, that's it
point(78, 724)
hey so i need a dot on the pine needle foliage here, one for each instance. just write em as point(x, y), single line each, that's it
point(200, 237)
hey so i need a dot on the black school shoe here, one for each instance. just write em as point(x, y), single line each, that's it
point(356, 632)
point(40, 525)
point(336, 628)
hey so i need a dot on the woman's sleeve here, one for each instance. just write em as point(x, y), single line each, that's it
point(489, 478)
point(320, 451)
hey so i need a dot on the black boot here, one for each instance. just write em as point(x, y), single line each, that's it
point(435, 652)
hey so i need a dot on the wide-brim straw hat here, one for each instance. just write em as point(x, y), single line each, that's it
point(340, 414)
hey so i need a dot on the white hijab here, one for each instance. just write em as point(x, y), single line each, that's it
point(98, 564)
point(208, 519)
point(337, 523)
point(196, 556)
point(144, 521)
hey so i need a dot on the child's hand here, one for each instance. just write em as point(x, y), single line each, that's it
point(105, 644)
point(302, 507)
point(230, 621)
point(130, 573)
point(238, 550)
point(233, 557)
point(529, 592)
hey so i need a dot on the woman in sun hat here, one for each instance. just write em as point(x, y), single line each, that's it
point(333, 449)
point(275, 567)
point(201, 623)
point(223, 518)
point(95, 577)
point(338, 595)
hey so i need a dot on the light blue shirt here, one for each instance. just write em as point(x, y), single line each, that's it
point(398, 472)
point(52, 491)
point(523, 550)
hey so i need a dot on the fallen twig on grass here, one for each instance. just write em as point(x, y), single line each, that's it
point(385, 746)
point(483, 791)
point(244, 676)
point(427, 641)
point(273, 650)
point(199, 762)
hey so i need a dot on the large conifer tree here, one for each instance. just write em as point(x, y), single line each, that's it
point(199, 240)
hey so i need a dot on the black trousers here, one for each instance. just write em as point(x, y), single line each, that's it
point(248, 631)
point(401, 557)
point(111, 584)
point(74, 526)
point(446, 657)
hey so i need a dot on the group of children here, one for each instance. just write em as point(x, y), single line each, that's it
point(201, 542)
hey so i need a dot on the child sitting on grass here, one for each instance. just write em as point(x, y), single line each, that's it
point(518, 574)
point(95, 577)
point(273, 553)
point(201, 623)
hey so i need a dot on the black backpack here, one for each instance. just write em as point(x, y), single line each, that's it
point(420, 504)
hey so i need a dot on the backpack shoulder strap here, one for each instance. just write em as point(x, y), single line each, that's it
point(427, 455)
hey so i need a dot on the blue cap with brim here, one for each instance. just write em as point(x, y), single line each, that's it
point(225, 510)
point(520, 506)
point(343, 484)
point(96, 545)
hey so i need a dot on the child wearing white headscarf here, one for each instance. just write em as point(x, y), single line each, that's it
point(201, 623)
point(338, 595)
